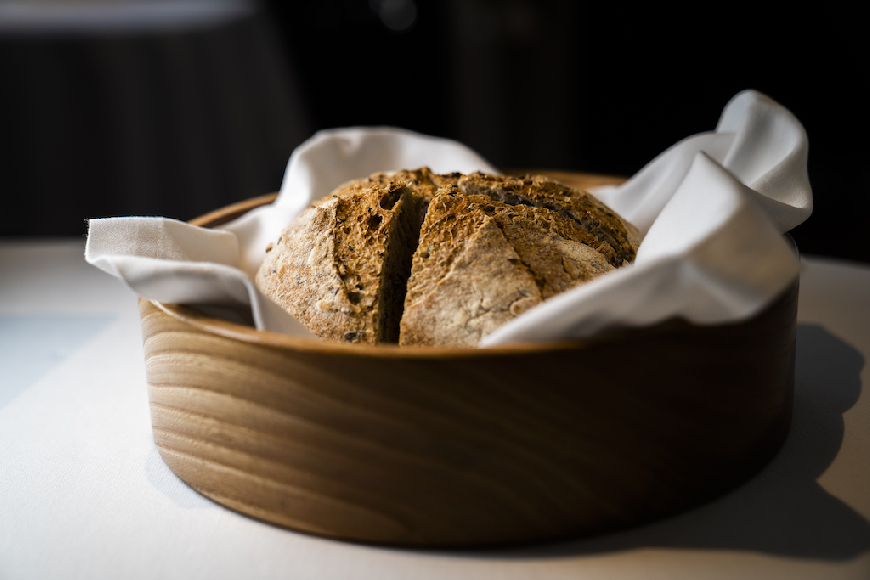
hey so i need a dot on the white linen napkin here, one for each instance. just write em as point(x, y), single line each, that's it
point(713, 209)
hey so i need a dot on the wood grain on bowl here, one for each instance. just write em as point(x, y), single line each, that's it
point(453, 447)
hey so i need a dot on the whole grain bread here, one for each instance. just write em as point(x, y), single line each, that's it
point(340, 267)
point(429, 259)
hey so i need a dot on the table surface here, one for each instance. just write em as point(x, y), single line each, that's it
point(84, 493)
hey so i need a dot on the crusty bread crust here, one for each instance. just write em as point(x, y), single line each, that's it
point(466, 278)
point(340, 267)
point(485, 248)
point(480, 263)
point(614, 237)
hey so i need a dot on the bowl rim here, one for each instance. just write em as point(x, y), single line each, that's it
point(247, 334)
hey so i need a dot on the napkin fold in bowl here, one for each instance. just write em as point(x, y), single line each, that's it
point(713, 208)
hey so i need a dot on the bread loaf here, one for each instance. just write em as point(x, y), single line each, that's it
point(427, 259)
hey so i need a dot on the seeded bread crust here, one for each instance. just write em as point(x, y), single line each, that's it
point(339, 268)
point(614, 237)
point(466, 278)
point(480, 263)
point(431, 259)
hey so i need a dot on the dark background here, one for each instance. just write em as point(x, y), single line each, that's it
point(178, 122)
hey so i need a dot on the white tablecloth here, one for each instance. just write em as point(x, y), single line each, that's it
point(84, 493)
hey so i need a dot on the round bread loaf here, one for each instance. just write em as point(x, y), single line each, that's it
point(425, 259)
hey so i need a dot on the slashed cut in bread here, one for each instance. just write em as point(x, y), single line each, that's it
point(426, 259)
point(481, 262)
point(341, 266)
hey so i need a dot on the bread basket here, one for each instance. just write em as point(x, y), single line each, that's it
point(451, 447)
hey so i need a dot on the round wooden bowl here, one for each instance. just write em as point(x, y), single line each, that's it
point(456, 447)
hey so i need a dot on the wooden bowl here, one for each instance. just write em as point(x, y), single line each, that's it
point(456, 447)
